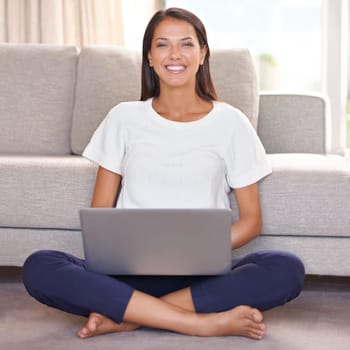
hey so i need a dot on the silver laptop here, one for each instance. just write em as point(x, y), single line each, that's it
point(157, 241)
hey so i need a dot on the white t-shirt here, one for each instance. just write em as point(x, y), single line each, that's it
point(169, 164)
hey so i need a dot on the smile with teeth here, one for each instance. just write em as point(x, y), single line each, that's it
point(175, 68)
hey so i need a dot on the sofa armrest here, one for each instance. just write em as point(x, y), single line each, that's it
point(291, 123)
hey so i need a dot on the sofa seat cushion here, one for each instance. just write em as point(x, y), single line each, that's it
point(44, 192)
point(306, 195)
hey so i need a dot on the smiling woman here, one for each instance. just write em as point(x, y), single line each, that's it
point(175, 53)
point(176, 63)
point(176, 148)
point(175, 56)
point(181, 40)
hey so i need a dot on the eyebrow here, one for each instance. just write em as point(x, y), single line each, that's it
point(182, 39)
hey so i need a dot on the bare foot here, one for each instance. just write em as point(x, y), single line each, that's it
point(242, 321)
point(98, 324)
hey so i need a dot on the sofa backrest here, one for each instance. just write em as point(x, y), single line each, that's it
point(52, 98)
point(37, 84)
point(109, 75)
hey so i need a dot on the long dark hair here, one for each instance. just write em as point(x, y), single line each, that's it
point(150, 81)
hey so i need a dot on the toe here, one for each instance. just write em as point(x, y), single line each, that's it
point(257, 333)
point(257, 316)
point(83, 333)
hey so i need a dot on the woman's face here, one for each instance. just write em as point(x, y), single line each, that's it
point(175, 53)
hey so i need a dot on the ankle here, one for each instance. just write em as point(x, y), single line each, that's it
point(205, 325)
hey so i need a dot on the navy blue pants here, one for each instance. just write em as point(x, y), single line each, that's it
point(263, 280)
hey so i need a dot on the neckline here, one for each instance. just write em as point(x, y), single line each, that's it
point(156, 116)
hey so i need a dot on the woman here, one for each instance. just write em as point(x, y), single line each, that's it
point(177, 147)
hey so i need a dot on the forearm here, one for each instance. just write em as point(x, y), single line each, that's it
point(106, 188)
point(250, 221)
point(244, 231)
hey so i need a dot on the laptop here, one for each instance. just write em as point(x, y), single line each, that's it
point(157, 241)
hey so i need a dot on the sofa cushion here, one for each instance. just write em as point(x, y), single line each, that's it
point(306, 195)
point(328, 256)
point(44, 192)
point(106, 77)
point(37, 85)
point(235, 80)
point(110, 75)
point(16, 244)
point(291, 123)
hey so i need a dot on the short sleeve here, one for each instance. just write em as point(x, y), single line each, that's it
point(107, 145)
point(245, 157)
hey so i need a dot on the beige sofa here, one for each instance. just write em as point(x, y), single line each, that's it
point(53, 97)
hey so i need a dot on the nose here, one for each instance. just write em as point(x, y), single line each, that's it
point(175, 53)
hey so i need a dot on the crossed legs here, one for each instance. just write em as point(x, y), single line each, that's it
point(210, 306)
